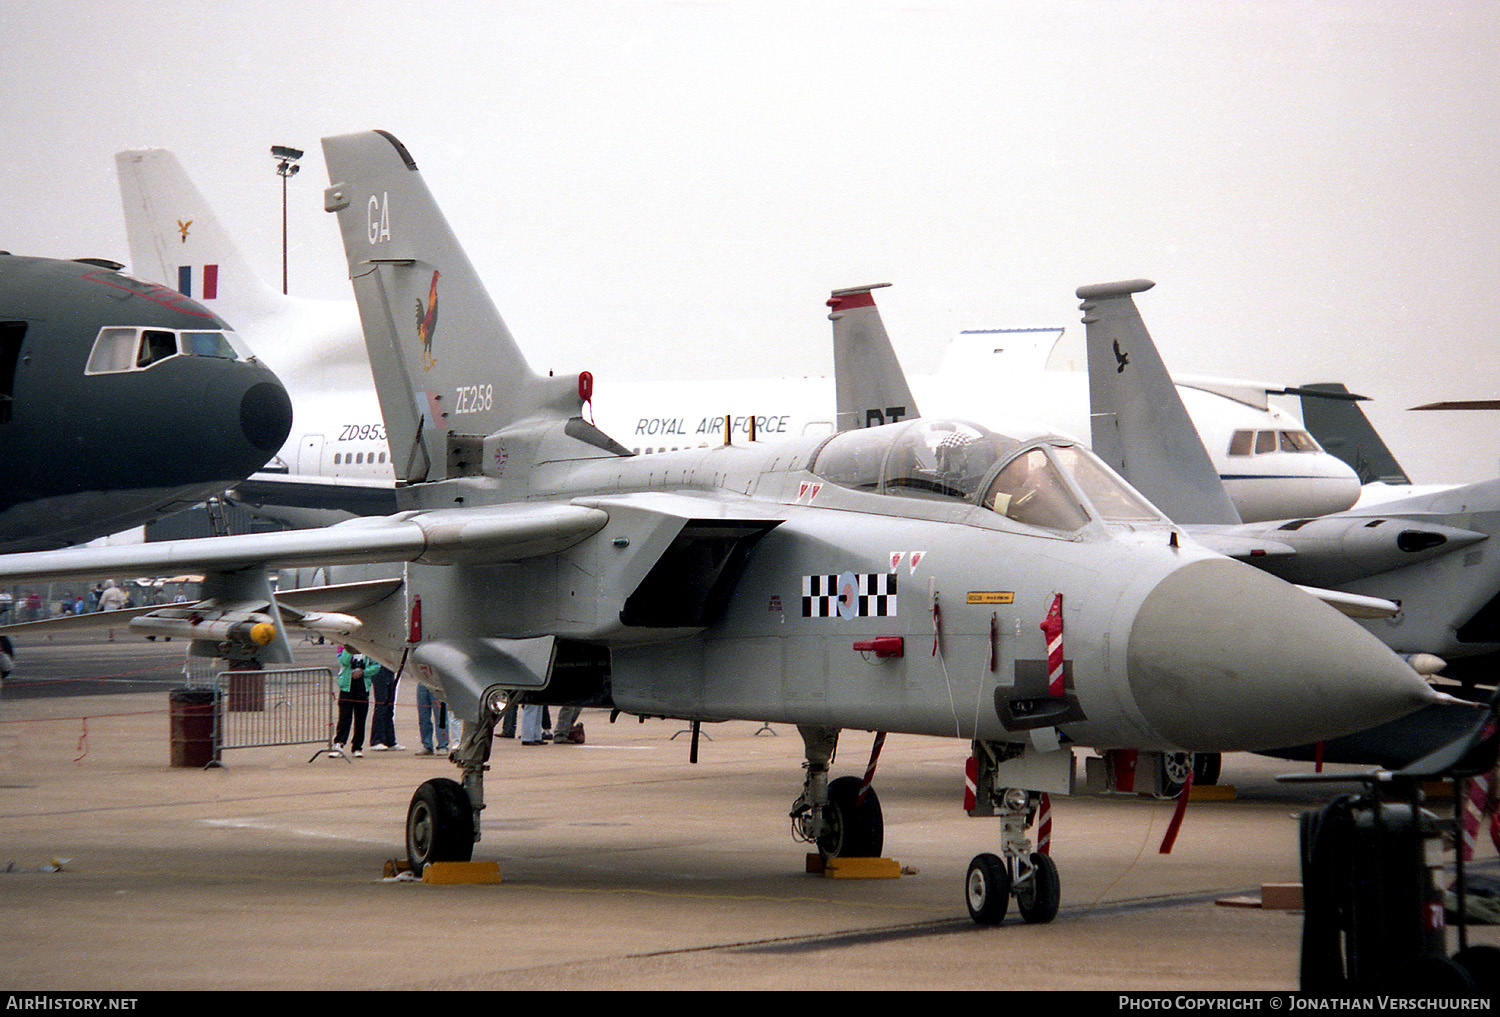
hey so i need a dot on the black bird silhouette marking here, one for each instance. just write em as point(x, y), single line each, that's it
point(1121, 358)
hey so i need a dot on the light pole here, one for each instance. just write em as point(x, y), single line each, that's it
point(286, 166)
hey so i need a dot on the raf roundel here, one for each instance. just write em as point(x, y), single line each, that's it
point(850, 595)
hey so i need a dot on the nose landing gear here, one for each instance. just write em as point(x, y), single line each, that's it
point(1029, 875)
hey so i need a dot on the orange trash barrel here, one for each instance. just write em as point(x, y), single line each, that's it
point(192, 723)
point(247, 692)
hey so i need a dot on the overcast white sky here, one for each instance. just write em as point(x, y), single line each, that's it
point(670, 188)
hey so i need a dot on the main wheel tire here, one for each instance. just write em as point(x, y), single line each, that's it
point(439, 825)
point(1172, 772)
point(987, 889)
point(1038, 898)
point(851, 828)
point(1206, 767)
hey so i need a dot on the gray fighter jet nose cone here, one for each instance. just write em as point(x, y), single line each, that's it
point(1222, 655)
point(266, 415)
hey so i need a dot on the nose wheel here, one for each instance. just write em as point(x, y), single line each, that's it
point(1039, 892)
point(987, 889)
point(842, 817)
point(991, 884)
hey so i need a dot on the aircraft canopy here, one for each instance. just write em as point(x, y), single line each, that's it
point(1053, 484)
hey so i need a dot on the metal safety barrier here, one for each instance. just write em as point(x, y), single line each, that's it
point(291, 706)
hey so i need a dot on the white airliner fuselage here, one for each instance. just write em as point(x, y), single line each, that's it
point(1270, 467)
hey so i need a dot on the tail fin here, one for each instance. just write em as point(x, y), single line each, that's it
point(446, 368)
point(177, 240)
point(1331, 414)
point(1140, 426)
point(871, 387)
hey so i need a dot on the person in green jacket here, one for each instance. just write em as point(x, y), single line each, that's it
point(354, 700)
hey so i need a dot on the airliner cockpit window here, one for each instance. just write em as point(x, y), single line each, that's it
point(156, 345)
point(1265, 442)
point(224, 345)
point(114, 351)
point(1298, 441)
point(119, 349)
point(1031, 490)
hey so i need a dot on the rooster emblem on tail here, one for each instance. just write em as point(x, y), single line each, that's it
point(427, 323)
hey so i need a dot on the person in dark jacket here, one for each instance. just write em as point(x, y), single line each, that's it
point(382, 682)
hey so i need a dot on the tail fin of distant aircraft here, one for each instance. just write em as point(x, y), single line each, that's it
point(177, 240)
point(1331, 414)
point(448, 373)
point(1139, 424)
point(871, 387)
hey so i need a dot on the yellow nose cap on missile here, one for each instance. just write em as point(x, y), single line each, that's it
point(262, 633)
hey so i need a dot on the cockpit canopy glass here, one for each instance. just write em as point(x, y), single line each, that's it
point(922, 459)
point(119, 349)
point(1030, 490)
point(959, 461)
point(1109, 496)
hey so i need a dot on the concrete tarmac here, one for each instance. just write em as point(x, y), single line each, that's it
point(625, 867)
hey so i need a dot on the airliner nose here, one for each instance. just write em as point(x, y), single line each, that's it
point(241, 416)
point(266, 415)
point(1336, 488)
point(1223, 656)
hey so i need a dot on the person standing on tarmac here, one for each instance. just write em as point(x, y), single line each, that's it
point(354, 700)
point(382, 682)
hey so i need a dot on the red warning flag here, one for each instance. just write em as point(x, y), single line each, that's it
point(1479, 802)
point(1053, 629)
point(1044, 825)
point(1177, 814)
point(864, 785)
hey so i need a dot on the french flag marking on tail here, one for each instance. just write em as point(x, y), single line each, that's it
point(210, 277)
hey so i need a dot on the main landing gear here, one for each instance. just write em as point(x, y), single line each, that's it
point(836, 816)
point(442, 822)
point(439, 825)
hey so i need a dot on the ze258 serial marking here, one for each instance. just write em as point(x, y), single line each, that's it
point(475, 398)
